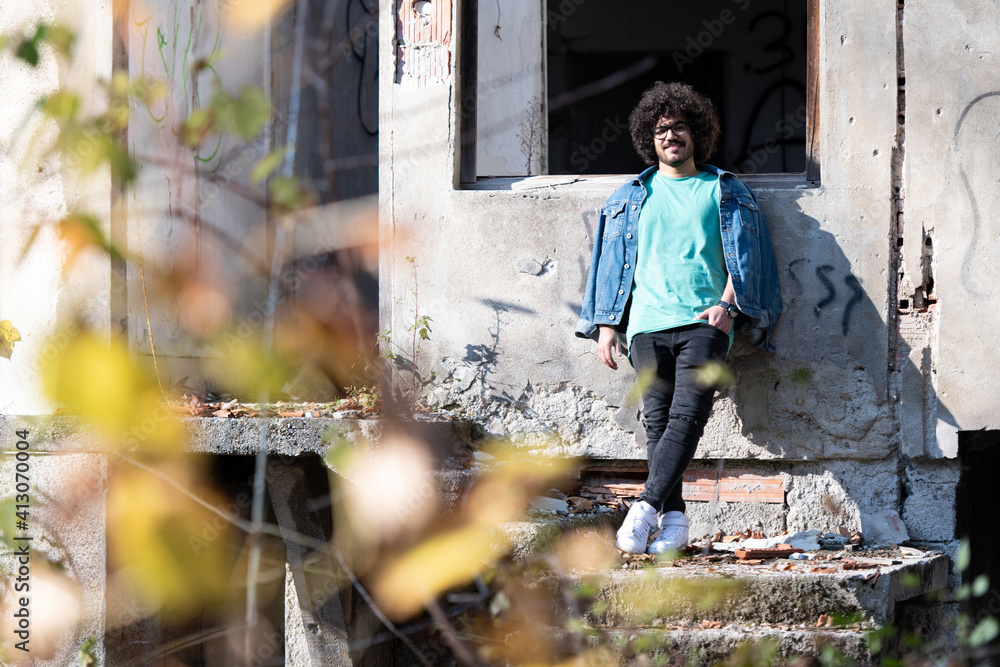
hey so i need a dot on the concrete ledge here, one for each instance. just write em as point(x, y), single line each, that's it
point(210, 435)
point(756, 593)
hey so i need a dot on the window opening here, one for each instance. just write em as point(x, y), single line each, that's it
point(750, 58)
point(547, 89)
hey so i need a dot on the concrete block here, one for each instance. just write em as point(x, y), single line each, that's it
point(929, 507)
point(827, 495)
point(707, 518)
point(931, 625)
point(933, 472)
point(885, 527)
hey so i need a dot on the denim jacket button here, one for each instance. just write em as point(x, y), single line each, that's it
point(611, 317)
point(621, 291)
point(634, 207)
point(628, 236)
point(626, 266)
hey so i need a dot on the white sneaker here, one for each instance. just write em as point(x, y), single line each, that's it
point(634, 533)
point(673, 535)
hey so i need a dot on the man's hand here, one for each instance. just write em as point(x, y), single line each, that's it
point(717, 317)
point(607, 346)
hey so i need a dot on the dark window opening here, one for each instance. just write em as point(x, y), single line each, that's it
point(749, 58)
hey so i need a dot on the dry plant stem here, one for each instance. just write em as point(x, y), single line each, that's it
point(460, 648)
point(280, 252)
point(149, 328)
point(296, 538)
point(416, 328)
point(260, 463)
point(195, 639)
point(229, 184)
point(571, 603)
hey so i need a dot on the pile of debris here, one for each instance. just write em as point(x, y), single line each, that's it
point(359, 406)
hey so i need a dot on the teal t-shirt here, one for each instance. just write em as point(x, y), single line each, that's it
point(680, 268)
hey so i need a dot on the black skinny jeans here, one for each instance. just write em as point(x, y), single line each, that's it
point(675, 406)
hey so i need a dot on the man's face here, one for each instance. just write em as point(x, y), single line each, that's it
point(676, 146)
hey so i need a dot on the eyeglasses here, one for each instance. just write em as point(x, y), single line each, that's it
point(679, 128)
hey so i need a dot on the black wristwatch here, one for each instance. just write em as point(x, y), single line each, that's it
point(731, 310)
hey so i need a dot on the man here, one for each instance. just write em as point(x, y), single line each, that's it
point(682, 258)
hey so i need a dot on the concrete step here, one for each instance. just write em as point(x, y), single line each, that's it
point(689, 643)
point(700, 646)
point(534, 536)
point(740, 593)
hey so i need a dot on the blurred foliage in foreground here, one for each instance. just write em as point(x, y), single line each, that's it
point(445, 586)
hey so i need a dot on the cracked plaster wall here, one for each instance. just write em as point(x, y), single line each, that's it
point(500, 268)
point(950, 176)
point(501, 271)
point(39, 294)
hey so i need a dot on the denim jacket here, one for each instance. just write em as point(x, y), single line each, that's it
point(745, 242)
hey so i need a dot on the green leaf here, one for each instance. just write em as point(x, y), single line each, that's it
point(980, 585)
point(89, 149)
point(251, 111)
point(61, 106)
point(61, 38)
point(87, 656)
point(7, 525)
point(267, 164)
point(987, 629)
point(28, 52)
point(963, 556)
point(285, 193)
point(8, 336)
point(198, 126)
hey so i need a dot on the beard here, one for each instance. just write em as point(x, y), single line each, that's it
point(674, 158)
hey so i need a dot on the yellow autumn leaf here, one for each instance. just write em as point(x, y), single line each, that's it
point(243, 368)
point(249, 15)
point(714, 374)
point(8, 336)
point(175, 551)
point(99, 380)
point(454, 557)
point(435, 565)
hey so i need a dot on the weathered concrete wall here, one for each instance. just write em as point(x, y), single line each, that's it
point(950, 177)
point(501, 268)
point(39, 293)
point(183, 194)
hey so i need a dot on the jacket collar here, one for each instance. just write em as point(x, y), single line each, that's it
point(703, 167)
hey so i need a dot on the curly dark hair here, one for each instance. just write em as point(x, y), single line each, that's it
point(674, 99)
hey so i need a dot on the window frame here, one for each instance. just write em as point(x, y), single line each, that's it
point(467, 75)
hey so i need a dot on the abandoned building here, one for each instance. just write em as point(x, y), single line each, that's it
point(491, 133)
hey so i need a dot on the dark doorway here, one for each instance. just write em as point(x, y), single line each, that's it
point(976, 521)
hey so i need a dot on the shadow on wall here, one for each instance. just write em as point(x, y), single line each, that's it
point(831, 394)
